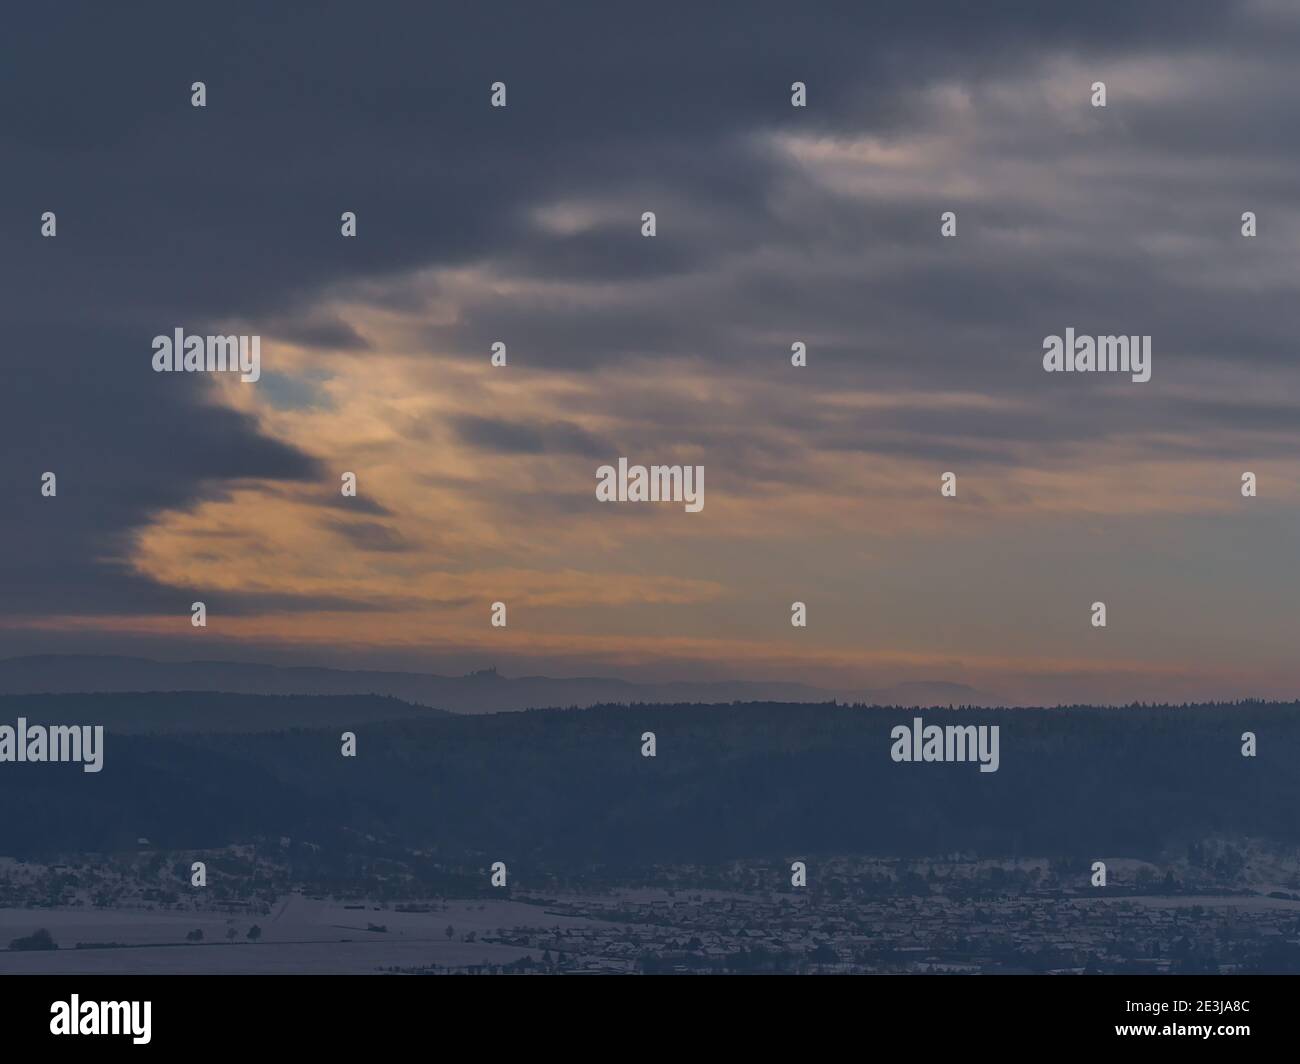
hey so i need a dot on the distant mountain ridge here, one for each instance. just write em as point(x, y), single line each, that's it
point(212, 712)
point(486, 691)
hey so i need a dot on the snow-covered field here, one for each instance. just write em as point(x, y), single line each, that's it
point(300, 935)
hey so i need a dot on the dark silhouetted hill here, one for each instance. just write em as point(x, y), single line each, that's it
point(746, 780)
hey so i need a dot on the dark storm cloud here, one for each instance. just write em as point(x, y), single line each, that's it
point(512, 437)
point(371, 535)
point(357, 504)
point(171, 216)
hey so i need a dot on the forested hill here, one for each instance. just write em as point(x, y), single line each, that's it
point(752, 779)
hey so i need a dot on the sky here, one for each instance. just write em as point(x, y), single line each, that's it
point(775, 224)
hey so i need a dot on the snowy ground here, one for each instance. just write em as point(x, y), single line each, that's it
point(300, 935)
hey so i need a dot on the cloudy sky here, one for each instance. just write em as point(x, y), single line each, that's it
point(775, 225)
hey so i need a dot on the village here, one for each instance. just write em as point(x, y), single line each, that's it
point(858, 914)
